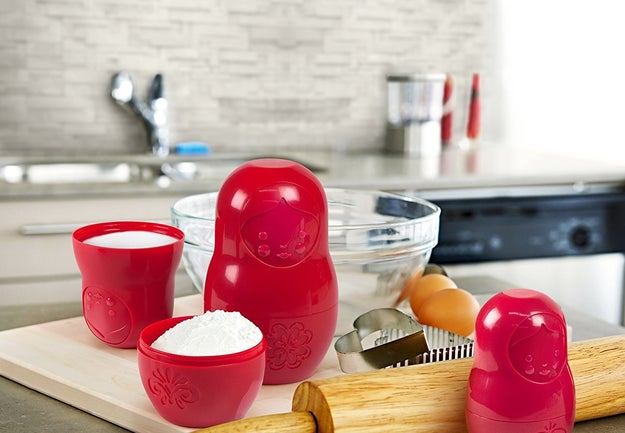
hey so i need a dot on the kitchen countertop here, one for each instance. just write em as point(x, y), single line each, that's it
point(25, 410)
point(485, 170)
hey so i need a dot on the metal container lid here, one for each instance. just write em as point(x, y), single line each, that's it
point(434, 76)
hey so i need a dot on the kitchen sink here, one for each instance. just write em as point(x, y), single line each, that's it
point(73, 172)
point(125, 170)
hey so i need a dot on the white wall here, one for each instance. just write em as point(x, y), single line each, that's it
point(238, 74)
point(563, 68)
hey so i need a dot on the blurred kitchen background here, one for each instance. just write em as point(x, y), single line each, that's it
point(302, 74)
point(238, 74)
point(298, 73)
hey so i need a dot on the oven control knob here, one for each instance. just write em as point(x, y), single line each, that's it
point(581, 236)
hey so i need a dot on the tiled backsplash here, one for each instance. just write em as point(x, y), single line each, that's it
point(238, 74)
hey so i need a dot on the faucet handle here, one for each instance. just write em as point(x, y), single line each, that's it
point(156, 88)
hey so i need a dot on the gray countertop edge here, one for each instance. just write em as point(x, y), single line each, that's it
point(499, 169)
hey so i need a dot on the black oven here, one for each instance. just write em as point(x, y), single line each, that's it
point(489, 230)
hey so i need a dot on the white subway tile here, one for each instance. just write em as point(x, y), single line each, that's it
point(238, 74)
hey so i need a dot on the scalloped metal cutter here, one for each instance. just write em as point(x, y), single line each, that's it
point(381, 338)
point(386, 337)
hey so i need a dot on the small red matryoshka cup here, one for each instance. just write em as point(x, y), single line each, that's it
point(128, 273)
point(198, 391)
point(520, 380)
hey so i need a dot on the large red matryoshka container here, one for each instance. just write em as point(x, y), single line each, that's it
point(272, 263)
point(520, 381)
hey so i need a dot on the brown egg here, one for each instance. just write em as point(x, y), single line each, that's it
point(453, 310)
point(408, 285)
point(422, 288)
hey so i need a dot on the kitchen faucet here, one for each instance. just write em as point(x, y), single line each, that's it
point(153, 111)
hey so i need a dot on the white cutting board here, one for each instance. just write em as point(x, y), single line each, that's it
point(64, 360)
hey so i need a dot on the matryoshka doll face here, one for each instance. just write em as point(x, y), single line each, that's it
point(279, 225)
point(538, 348)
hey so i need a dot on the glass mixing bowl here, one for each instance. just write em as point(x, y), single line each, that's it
point(376, 239)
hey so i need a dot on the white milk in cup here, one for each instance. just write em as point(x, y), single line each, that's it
point(131, 239)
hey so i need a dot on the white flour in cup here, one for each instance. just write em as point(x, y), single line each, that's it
point(212, 333)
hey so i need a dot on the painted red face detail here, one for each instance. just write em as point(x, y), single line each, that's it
point(538, 348)
point(281, 236)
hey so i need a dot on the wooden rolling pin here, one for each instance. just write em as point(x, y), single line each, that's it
point(430, 397)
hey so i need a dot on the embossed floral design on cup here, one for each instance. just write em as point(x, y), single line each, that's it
point(172, 388)
point(288, 347)
point(552, 428)
point(198, 391)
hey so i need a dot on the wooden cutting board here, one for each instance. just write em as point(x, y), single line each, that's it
point(64, 360)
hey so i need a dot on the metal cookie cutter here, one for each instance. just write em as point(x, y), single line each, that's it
point(445, 346)
point(381, 338)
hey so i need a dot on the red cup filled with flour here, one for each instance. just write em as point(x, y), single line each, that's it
point(199, 371)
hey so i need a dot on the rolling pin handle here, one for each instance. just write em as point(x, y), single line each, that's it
point(292, 422)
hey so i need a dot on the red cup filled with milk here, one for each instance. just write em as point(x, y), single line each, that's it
point(128, 270)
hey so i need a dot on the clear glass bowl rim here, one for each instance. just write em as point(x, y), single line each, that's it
point(434, 215)
point(428, 226)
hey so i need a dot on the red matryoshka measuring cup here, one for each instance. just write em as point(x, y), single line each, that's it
point(272, 263)
point(520, 381)
point(128, 273)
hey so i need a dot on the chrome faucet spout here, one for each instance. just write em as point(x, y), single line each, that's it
point(153, 112)
point(159, 133)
